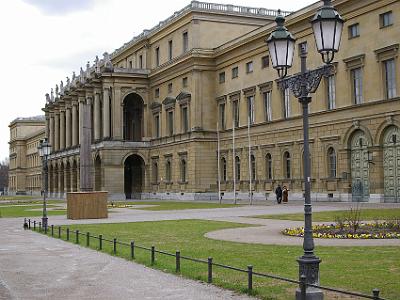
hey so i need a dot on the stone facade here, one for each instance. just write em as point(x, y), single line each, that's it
point(25, 169)
point(158, 101)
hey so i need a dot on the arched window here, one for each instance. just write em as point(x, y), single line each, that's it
point(253, 167)
point(286, 165)
point(223, 169)
point(331, 163)
point(237, 168)
point(268, 166)
point(183, 170)
point(168, 171)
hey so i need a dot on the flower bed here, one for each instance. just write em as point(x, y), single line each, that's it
point(383, 230)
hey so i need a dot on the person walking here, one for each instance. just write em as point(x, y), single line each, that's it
point(285, 194)
point(278, 192)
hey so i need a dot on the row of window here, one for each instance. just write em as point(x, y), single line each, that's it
point(269, 173)
point(385, 20)
point(168, 172)
point(169, 87)
point(185, 48)
point(249, 69)
point(170, 122)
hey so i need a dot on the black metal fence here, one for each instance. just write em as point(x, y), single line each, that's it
point(56, 231)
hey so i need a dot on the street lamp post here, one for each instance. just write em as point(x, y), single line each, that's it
point(44, 151)
point(327, 26)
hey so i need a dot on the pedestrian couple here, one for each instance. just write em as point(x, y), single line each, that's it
point(281, 194)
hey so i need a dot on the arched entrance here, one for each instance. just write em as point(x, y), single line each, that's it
point(134, 176)
point(133, 117)
point(97, 173)
point(359, 167)
point(391, 164)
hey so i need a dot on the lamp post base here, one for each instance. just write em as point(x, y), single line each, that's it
point(44, 223)
point(309, 267)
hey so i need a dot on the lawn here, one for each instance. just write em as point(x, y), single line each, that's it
point(172, 205)
point(329, 216)
point(26, 211)
point(352, 268)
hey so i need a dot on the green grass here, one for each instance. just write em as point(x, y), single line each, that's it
point(351, 268)
point(26, 211)
point(172, 205)
point(329, 216)
point(19, 197)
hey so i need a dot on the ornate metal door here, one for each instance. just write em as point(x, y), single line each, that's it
point(391, 164)
point(359, 168)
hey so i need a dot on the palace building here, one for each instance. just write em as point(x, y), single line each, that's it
point(160, 103)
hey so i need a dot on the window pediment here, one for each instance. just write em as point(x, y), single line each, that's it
point(221, 99)
point(155, 106)
point(265, 87)
point(354, 61)
point(249, 91)
point(183, 98)
point(234, 96)
point(169, 102)
point(387, 52)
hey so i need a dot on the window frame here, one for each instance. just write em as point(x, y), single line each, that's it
point(354, 34)
point(249, 67)
point(221, 77)
point(235, 72)
point(382, 19)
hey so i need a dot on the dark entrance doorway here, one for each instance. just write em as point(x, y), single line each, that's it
point(133, 118)
point(133, 177)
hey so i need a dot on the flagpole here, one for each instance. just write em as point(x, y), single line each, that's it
point(250, 173)
point(219, 167)
point(234, 161)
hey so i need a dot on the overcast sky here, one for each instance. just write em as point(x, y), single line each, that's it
point(43, 41)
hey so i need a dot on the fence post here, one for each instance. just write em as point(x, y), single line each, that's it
point(52, 230)
point(34, 225)
point(25, 223)
point(29, 223)
point(77, 236)
point(303, 287)
point(115, 246)
point(59, 232)
point(40, 226)
point(100, 242)
point(375, 293)
point(132, 249)
point(45, 228)
point(87, 239)
point(250, 277)
point(152, 255)
point(178, 261)
point(67, 234)
point(209, 279)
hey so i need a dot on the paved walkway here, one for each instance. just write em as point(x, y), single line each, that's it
point(34, 266)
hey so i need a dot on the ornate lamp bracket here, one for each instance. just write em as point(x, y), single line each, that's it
point(302, 84)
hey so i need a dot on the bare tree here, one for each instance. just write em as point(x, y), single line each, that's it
point(4, 165)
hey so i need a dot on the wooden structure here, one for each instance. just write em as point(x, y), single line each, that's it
point(87, 205)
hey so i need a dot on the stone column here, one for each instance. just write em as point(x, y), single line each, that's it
point(85, 149)
point(51, 134)
point(57, 132)
point(47, 133)
point(106, 113)
point(62, 129)
point(97, 117)
point(75, 122)
point(117, 115)
point(81, 117)
point(68, 128)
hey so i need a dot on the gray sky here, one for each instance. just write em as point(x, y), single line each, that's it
point(43, 41)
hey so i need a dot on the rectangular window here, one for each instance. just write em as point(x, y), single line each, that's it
point(185, 38)
point(169, 87)
point(222, 77)
point(386, 19)
point(331, 91)
point(250, 109)
point(267, 106)
point(169, 50)
point(184, 82)
point(130, 64)
point(356, 78)
point(185, 119)
point(222, 116)
point(157, 93)
point(235, 108)
point(157, 125)
point(249, 67)
point(390, 78)
point(235, 72)
point(354, 30)
point(157, 56)
point(170, 123)
point(140, 61)
point(265, 61)
point(286, 103)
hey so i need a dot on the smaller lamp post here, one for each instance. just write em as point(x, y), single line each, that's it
point(44, 151)
point(327, 26)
